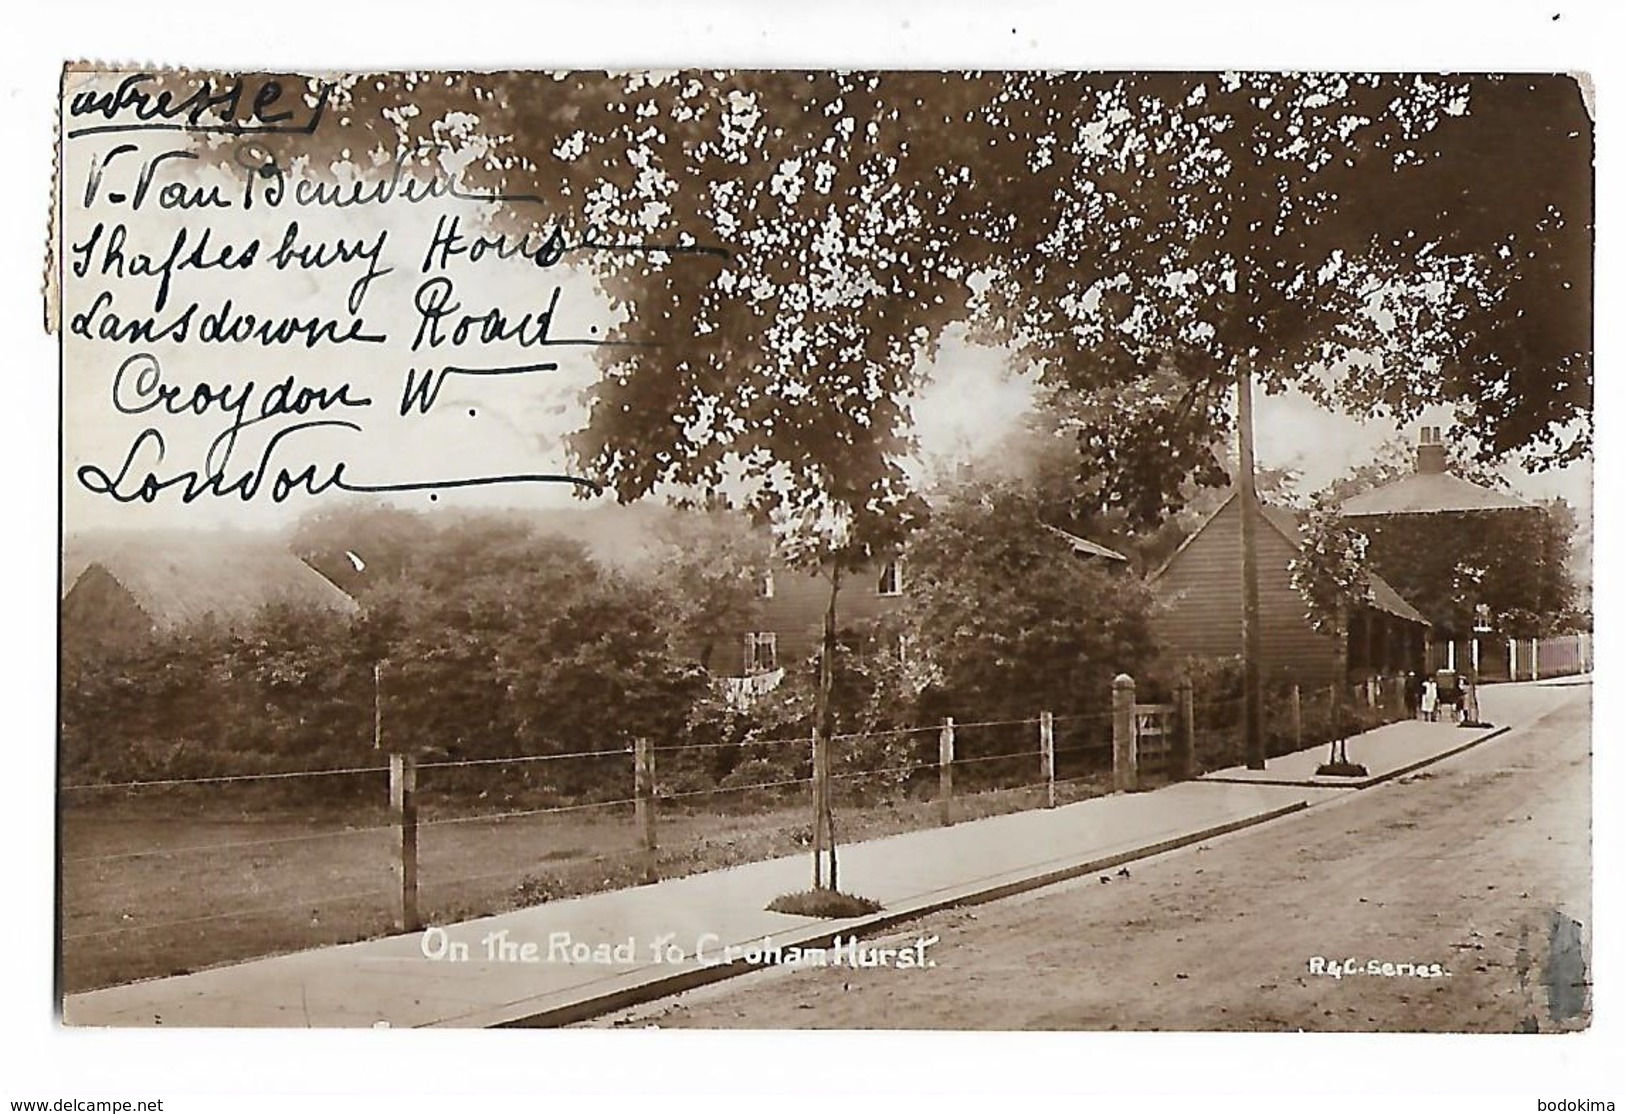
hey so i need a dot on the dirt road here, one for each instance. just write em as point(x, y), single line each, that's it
point(1479, 865)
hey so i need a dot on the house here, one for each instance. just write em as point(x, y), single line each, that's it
point(125, 590)
point(1421, 529)
point(1430, 489)
point(1199, 594)
point(790, 626)
point(790, 618)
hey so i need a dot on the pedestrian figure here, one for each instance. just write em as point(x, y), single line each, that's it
point(1449, 694)
point(1430, 700)
point(1413, 694)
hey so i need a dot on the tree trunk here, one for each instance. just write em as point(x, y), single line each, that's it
point(1340, 672)
point(823, 813)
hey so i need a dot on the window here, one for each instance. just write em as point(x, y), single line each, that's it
point(891, 579)
point(761, 652)
point(767, 585)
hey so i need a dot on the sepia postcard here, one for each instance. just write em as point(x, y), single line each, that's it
point(769, 549)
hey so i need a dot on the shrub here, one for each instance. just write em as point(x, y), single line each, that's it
point(823, 903)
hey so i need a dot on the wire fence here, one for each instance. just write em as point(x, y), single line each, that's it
point(174, 874)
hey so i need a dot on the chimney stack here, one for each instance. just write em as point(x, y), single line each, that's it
point(1430, 459)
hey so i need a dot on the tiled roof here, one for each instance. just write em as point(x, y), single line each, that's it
point(1429, 493)
point(176, 582)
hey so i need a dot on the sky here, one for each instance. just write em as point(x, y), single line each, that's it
point(975, 397)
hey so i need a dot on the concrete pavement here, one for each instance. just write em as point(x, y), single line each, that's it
point(1395, 749)
point(566, 960)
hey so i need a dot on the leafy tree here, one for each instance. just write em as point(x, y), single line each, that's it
point(1329, 571)
point(1514, 562)
point(830, 264)
point(147, 711)
point(1277, 225)
point(1009, 620)
point(874, 714)
point(1269, 226)
point(284, 689)
point(311, 686)
point(596, 671)
point(463, 618)
point(492, 642)
point(1144, 238)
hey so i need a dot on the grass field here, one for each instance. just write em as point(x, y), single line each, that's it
point(160, 886)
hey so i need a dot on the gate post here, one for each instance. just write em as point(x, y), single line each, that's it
point(945, 770)
point(1182, 756)
point(1125, 775)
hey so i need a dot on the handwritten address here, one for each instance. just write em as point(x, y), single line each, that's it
point(179, 253)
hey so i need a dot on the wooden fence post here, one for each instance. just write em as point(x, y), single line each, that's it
point(945, 770)
point(1534, 659)
point(403, 801)
point(1046, 750)
point(1182, 759)
point(1297, 717)
point(643, 794)
point(1124, 775)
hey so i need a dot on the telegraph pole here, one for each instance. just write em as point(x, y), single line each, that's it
point(1252, 705)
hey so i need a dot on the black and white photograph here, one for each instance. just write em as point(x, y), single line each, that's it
point(1025, 550)
point(539, 543)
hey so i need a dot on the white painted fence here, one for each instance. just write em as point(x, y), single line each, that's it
point(1530, 659)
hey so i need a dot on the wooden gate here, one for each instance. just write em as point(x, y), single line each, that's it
point(1153, 735)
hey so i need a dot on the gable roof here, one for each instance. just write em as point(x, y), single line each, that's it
point(1285, 523)
point(1429, 493)
point(1084, 547)
point(175, 581)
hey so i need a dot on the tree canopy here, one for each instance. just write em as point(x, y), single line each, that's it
point(1330, 570)
point(1383, 241)
point(1008, 620)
